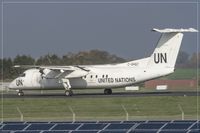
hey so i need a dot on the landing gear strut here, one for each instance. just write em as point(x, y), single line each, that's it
point(20, 93)
point(107, 91)
point(67, 86)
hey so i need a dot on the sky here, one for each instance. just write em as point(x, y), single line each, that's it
point(121, 27)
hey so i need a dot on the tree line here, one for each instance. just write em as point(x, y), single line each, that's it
point(7, 71)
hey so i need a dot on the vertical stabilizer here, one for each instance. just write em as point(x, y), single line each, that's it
point(167, 49)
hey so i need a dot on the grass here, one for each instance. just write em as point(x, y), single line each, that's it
point(109, 108)
point(182, 73)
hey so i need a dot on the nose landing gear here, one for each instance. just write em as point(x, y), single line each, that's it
point(67, 86)
point(107, 91)
point(68, 92)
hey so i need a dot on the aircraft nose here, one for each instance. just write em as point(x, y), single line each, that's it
point(12, 85)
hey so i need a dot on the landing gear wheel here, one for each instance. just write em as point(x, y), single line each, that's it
point(20, 93)
point(107, 91)
point(68, 93)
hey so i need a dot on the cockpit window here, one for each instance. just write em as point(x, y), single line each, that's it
point(22, 75)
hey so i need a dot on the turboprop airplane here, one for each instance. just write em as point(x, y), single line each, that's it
point(160, 63)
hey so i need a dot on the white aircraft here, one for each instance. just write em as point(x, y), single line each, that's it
point(160, 63)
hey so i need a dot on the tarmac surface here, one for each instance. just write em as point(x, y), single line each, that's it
point(101, 95)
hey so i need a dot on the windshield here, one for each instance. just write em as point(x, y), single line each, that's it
point(22, 75)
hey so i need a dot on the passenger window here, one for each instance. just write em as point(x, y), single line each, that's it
point(96, 76)
point(106, 76)
point(91, 76)
point(102, 76)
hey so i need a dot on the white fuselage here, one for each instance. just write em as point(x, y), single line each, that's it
point(99, 77)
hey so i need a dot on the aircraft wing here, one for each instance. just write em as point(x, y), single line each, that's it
point(59, 71)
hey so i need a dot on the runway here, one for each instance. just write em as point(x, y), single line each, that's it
point(101, 95)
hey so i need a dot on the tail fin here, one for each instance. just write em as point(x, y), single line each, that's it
point(167, 49)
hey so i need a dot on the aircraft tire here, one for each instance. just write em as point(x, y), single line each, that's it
point(20, 93)
point(68, 93)
point(107, 91)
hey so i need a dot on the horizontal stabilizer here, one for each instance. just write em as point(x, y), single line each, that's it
point(167, 30)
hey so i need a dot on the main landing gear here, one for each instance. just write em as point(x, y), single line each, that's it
point(20, 93)
point(107, 91)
